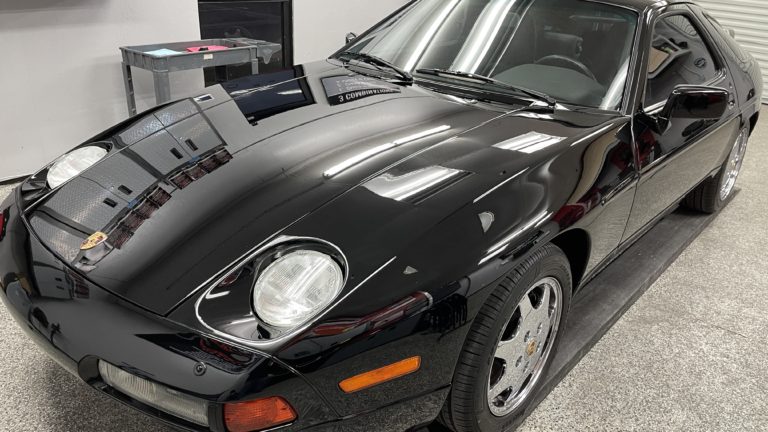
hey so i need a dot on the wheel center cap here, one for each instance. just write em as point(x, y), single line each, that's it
point(531, 348)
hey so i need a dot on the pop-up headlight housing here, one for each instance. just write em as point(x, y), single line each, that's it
point(274, 291)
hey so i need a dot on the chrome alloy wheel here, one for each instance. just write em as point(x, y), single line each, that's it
point(735, 161)
point(525, 346)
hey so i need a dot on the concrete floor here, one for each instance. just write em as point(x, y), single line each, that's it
point(692, 354)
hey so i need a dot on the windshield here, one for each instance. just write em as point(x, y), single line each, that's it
point(575, 51)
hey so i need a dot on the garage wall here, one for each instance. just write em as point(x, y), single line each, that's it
point(60, 76)
point(320, 26)
point(749, 18)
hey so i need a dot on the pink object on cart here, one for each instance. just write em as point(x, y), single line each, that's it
point(205, 48)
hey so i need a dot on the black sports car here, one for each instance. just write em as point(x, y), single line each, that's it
point(386, 237)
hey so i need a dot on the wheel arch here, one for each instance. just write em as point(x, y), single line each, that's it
point(576, 245)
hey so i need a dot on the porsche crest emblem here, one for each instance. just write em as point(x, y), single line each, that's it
point(531, 348)
point(94, 240)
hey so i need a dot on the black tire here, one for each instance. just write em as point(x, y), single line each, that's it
point(467, 408)
point(706, 198)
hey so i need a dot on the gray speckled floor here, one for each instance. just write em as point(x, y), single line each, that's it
point(692, 354)
point(5, 190)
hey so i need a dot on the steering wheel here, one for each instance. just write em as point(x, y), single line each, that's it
point(566, 62)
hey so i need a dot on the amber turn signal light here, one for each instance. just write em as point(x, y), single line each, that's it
point(381, 375)
point(258, 415)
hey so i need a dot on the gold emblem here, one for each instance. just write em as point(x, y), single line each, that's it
point(94, 240)
point(531, 348)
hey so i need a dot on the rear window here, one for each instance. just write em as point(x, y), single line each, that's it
point(726, 41)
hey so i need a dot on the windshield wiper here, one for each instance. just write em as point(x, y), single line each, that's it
point(379, 62)
point(549, 100)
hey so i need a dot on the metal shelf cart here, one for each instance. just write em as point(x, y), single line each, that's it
point(162, 59)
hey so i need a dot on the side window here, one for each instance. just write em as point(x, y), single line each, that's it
point(678, 56)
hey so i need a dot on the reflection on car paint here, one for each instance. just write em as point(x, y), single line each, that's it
point(210, 351)
point(403, 309)
point(363, 156)
point(263, 96)
point(414, 186)
point(506, 242)
point(530, 142)
point(495, 188)
point(4, 215)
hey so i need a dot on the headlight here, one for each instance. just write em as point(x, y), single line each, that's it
point(296, 287)
point(73, 163)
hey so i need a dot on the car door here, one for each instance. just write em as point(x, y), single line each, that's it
point(674, 161)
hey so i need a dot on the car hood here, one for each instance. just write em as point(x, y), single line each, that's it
point(190, 187)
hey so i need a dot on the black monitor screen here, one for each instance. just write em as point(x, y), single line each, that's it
point(268, 20)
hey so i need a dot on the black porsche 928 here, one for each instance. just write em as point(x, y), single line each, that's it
point(384, 238)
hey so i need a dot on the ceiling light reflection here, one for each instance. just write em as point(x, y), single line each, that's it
point(529, 143)
point(503, 244)
point(483, 36)
point(422, 46)
point(362, 157)
point(400, 188)
point(495, 188)
point(290, 92)
point(420, 135)
point(212, 296)
point(358, 158)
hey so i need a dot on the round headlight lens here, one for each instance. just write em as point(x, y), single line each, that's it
point(73, 163)
point(297, 287)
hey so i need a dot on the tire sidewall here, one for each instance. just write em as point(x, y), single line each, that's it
point(553, 263)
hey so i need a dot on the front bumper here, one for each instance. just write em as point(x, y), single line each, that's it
point(77, 324)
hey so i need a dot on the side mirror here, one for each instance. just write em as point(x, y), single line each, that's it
point(732, 32)
point(351, 36)
point(692, 103)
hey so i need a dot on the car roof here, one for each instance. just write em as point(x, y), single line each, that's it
point(641, 5)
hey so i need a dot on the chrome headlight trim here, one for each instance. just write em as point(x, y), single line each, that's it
point(262, 249)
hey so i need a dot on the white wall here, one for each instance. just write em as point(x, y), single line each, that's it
point(320, 26)
point(60, 75)
point(750, 21)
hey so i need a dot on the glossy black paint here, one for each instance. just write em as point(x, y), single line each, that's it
point(703, 105)
point(190, 190)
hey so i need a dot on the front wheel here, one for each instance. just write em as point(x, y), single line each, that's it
point(511, 345)
point(711, 196)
